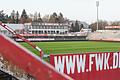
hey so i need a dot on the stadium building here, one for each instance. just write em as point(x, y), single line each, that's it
point(46, 28)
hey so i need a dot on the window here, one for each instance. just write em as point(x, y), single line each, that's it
point(37, 27)
point(45, 32)
point(42, 27)
point(32, 27)
point(57, 32)
point(48, 32)
point(65, 32)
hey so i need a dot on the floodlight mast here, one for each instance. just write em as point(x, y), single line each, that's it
point(97, 5)
point(21, 37)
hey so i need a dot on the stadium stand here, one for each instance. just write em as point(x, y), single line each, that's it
point(106, 35)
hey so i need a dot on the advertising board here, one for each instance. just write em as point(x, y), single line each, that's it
point(89, 66)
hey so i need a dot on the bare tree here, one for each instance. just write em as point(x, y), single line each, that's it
point(45, 18)
point(115, 23)
point(101, 25)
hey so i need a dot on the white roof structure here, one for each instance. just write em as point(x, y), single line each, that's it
point(14, 26)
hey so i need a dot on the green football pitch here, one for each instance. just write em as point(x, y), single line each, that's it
point(74, 47)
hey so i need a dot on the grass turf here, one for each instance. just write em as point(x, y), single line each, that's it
point(74, 47)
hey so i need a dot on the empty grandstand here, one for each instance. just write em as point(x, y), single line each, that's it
point(53, 37)
point(112, 33)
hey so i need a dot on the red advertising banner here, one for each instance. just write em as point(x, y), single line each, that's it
point(89, 66)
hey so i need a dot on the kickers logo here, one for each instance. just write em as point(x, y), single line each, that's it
point(91, 63)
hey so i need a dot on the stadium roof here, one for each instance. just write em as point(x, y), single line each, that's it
point(13, 26)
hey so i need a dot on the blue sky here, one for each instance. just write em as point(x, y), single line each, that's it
point(83, 10)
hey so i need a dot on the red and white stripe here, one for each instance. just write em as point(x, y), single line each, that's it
point(21, 37)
